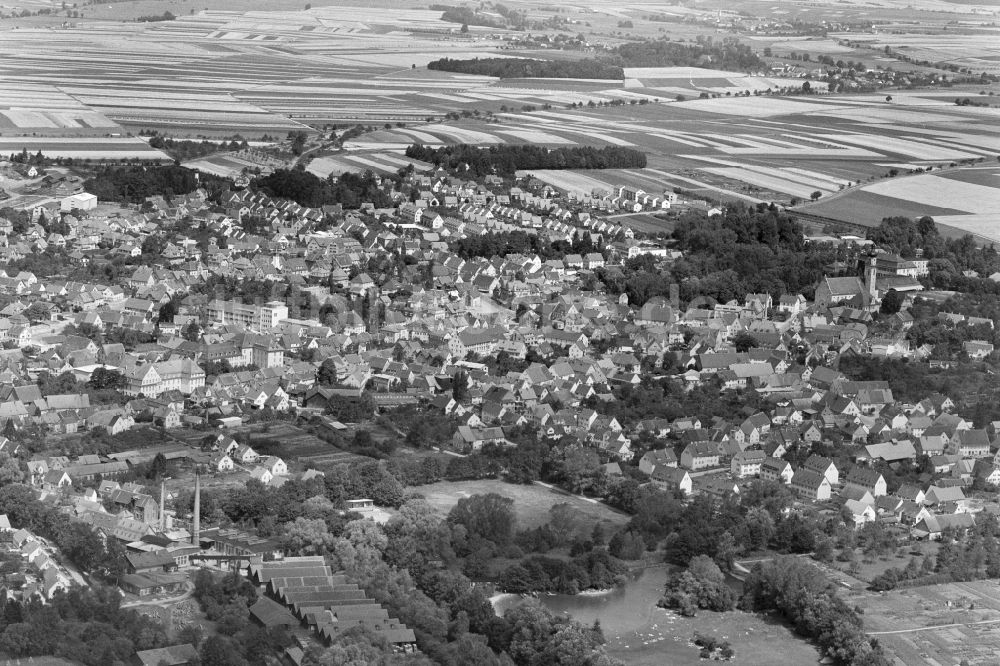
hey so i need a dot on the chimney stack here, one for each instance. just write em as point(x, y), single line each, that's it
point(163, 506)
point(196, 531)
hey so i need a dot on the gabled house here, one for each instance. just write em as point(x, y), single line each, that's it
point(700, 455)
point(810, 485)
point(866, 479)
point(776, 469)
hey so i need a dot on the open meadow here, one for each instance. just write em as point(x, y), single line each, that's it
point(666, 638)
point(531, 502)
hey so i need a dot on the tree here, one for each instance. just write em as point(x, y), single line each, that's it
point(10, 470)
point(308, 536)
point(582, 469)
point(815, 195)
point(167, 312)
point(103, 378)
point(490, 517)
point(744, 341)
point(701, 585)
point(221, 651)
point(157, 468)
point(891, 302)
point(192, 332)
point(327, 373)
point(460, 386)
point(154, 245)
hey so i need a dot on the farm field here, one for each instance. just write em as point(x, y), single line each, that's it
point(903, 622)
point(531, 502)
point(254, 70)
point(980, 52)
point(110, 148)
point(964, 199)
point(779, 149)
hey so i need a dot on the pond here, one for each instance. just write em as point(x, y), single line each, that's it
point(626, 608)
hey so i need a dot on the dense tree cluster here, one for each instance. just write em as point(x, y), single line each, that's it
point(134, 184)
point(225, 601)
point(467, 16)
point(802, 594)
point(349, 189)
point(185, 149)
point(506, 159)
point(538, 573)
point(666, 398)
point(76, 541)
point(745, 250)
point(500, 244)
point(701, 585)
point(84, 625)
point(954, 263)
point(518, 68)
point(728, 54)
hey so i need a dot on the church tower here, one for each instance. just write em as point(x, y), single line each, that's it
point(870, 274)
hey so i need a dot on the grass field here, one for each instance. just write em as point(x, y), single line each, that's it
point(531, 503)
point(757, 640)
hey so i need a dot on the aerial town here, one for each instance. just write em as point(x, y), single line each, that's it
point(279, 386)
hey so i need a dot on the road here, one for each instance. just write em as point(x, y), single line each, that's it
point(931, 628)
point(557, 489)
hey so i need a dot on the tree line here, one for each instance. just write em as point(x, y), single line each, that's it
point(523, 68)
point(505, 160)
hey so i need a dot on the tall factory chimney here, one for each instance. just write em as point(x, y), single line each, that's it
point(196, 531)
